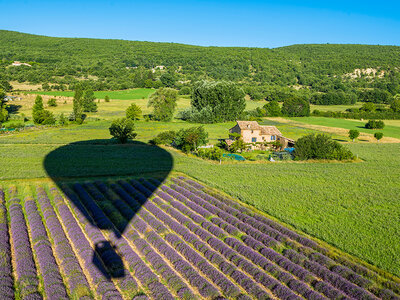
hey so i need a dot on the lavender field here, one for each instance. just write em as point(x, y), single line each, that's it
point(178, 239)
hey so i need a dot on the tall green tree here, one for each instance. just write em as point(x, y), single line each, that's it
point(37, 109)
point(40, 115)
point(123, 130)
point(88, 102)
point(296, 106)
point(3, 110)
point(273, 109)
point(77, 106)
point(224, 100)
point(163, 102)
point(133, 112)
point(353, 134)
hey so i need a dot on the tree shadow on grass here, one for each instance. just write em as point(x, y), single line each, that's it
point(100, 160)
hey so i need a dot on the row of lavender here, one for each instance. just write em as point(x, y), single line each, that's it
point(354, 280)
point(209, 238)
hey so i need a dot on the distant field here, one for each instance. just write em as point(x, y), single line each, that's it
point(392, 130)
point(120, 95)
point(334, 107)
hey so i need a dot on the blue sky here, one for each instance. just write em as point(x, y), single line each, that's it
point(210, 23)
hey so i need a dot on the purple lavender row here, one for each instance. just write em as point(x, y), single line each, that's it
point(120, 210)
point(27, 281)
point(6, 278)
point(205, 289)
point(227, 203)
point(142, 272)
point(242, 279)
point(52, 281)
point(103, 286)
point(296, 285)
point(284, 277)
point(327, 275)
point(357, 279)
point(225, 266)
point(344, 285)
point(69, 264)
point(344, 272)
point(256, 258)
point(236, 218)
point(283, 262)
point(194, 258)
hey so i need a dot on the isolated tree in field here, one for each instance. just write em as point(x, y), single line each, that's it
point(62, 120)
point(295, 106)
point(133, 112)
point(375, 124)
point(77, 113)
point(378, 136)
point(163, 102)
point(123, 130)
point(220, 101)
point(353, 134)
point(107, 98)
point(88, 103)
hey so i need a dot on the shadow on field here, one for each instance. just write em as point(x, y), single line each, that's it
point(98, 160)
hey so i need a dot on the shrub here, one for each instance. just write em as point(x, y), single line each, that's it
point(122, 130)
point(52, 102)
point(107, 98)
point(189, 139)
point(164, 138)
point(378, 135)
point(320, 146)
point(214, 153)
point(374, 124)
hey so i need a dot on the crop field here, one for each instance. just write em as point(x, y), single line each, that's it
point(147, 238)
point(130, 94)
point(392, 130)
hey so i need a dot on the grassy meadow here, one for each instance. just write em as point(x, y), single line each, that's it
point(130, 94)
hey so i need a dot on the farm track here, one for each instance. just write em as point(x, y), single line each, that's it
point(141, 239)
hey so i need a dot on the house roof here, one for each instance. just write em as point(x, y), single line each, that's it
point(253, 125)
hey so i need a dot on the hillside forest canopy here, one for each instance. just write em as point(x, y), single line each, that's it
point(324, 74)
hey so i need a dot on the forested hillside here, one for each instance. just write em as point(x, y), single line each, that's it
point(328, 74)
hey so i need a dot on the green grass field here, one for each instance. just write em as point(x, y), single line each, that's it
point(120, 95)
point(392, 130)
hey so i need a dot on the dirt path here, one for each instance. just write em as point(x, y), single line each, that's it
point(364, 137)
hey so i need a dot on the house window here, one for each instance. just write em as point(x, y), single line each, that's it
point(273, 137)
point(252, 131)
point(263, 138)
point(254, 140)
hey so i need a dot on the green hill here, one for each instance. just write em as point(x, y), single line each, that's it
point(120, 64)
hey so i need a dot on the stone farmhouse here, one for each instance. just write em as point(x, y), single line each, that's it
point(258, 135)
